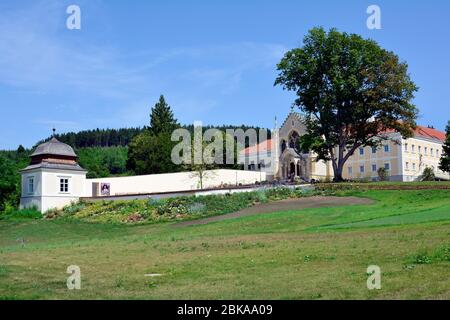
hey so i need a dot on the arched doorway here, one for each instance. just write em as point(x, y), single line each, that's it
point(292, 170)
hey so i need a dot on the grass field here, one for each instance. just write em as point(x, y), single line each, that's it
point(317, 253)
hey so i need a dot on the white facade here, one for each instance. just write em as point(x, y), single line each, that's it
point(171, 182)
point(44, 189)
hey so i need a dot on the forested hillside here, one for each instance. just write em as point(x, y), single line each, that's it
point(104, 162)
point(122, 137)
point(10, 164)
point(98, 137)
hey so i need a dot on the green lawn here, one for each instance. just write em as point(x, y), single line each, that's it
point(309, 254)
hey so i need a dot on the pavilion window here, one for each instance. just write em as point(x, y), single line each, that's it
point(31, 185)
point(64, 185)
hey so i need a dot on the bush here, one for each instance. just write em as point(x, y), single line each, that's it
point(428, 174)
point(31, 213)
point(383, 174)
point(171, 209)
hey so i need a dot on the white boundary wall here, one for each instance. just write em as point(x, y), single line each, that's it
point(172, 182)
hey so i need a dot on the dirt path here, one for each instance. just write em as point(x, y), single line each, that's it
point(283, 205)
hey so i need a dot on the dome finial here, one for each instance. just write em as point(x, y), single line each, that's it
point(54, 132)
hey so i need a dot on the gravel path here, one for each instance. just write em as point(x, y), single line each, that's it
point(283, 205)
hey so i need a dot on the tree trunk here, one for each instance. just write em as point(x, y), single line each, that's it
point(338, 165)
point(338, 172)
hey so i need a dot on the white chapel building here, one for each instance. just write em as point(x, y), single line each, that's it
point(53, 179)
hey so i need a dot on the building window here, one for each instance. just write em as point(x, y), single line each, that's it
point(437, 152)
point(361, 169)
point(425, 150)
point(387, 166)
point(31, 185)
point(64, 185)
point(419, 149)
point(374, 149)
point(431, 151)
point(386, 148)
point(414, 166)
point(283, 146)
point(406, 147)
point(350, 170)
point(412, 148)
point(361, 151)
point(374, 168)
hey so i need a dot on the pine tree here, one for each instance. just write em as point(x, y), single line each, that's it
point(150, 151)
point(444, 164)
point(162, 119)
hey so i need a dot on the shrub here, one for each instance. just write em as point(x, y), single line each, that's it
point(383, 174)
point(171, 209)
point(30, 213)
point(428, 174)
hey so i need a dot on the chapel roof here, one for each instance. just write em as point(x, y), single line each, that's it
point(54, 147)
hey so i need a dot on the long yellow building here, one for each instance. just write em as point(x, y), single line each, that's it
point(403, 159)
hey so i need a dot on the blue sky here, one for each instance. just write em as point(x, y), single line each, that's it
point(215, 61)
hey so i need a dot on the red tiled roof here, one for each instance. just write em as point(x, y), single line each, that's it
point(429, 133)
point(265, 146)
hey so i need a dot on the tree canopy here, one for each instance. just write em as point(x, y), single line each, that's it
point(350, 91)
point(162, 118)
point(150, 151)
point(444, 163)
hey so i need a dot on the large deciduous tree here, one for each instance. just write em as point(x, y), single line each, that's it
point(444, 163)
point(350, 90)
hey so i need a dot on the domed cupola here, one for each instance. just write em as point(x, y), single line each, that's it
point(54, 151)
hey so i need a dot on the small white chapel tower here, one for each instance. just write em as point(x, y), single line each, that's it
point(53, 179)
